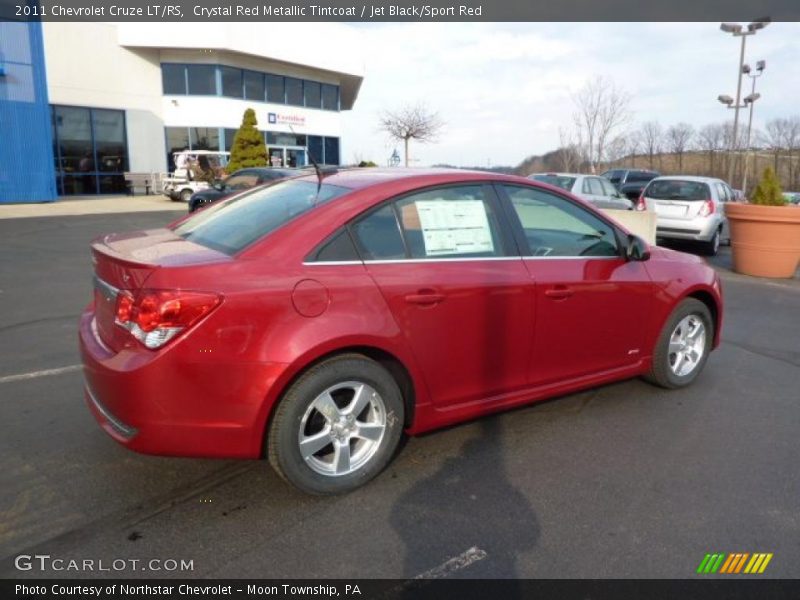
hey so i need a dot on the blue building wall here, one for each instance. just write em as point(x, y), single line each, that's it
point(27, 173)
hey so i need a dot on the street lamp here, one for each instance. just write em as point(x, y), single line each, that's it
point(751, 100)
point(738, 30)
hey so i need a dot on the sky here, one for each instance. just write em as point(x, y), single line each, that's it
point(504, 89)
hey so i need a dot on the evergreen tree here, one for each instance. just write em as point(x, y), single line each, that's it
point(768, 191)
point(249, 149)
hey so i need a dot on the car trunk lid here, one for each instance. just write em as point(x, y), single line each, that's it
point(125, 262)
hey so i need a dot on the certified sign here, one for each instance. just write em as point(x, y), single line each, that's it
point(284, 119)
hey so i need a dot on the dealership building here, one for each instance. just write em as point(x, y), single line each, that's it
point(83, 103)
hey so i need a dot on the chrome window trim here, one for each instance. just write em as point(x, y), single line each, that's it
point(335, 263)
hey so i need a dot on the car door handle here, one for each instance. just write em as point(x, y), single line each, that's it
point(424, 298)
point(559, 292)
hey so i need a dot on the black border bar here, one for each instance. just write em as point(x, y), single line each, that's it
point(428, 11)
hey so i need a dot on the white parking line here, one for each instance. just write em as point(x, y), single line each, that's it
point(462, 561)
point(35, 374)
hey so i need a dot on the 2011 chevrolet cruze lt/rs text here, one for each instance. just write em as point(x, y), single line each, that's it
point(315, 320)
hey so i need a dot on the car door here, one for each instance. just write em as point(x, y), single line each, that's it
point(591, 303)
point(617, 200)
point(456, 286)
point(593, 191)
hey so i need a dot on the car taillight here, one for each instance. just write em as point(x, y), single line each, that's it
point(707, 208)
point(641, 204)
point(154, 317)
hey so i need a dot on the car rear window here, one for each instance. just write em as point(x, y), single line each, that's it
point(565, 183)
point(614, 176)
point(677, 189)
point(234, 224)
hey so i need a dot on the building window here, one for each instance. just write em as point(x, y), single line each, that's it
point(294, 91)
point(231, 82)
point(330, 97)
point(204, 138)
point(254, 86)
point(173, 78)
point(331, 151)
point(313, 94)
point(202, 79)
point(315, 148)
point(215, 80)
point(276, 89)
point(91, 150)
point(229, 135)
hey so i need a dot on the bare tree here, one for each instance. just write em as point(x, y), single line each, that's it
point(411, 122)
point(568, 156)
point(651, 138)
point(710, 140)
point(678, 139)
point(621, 146)
point(601, 110)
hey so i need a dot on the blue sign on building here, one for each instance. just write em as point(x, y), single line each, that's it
point(27, 173)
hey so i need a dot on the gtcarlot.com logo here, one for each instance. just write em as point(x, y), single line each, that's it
point(734, 563)
point(45, 562)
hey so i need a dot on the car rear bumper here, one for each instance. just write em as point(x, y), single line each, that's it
point(700, 229)
point(161, 403)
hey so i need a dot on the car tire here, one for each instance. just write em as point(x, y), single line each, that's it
point(337, 426)
point(683, 345)
point(711, 247)
point(185, 195)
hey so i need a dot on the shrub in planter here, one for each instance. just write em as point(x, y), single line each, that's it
point(765, 235)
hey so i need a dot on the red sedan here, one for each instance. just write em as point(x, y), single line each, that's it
point(314, 321)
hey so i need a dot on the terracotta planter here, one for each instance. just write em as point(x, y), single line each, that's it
point(765, 240)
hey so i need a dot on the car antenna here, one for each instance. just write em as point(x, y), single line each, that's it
point(317, 170)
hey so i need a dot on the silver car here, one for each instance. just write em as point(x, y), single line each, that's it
point(592, 188)
point(689, 208)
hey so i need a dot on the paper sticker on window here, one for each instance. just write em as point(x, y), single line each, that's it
point(454, 227)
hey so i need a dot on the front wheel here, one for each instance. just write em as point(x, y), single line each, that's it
point(337, 426)
point(683, 345)
point(186, 195)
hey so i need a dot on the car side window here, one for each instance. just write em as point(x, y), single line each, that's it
point(608, 187)
point(596, 187)
point(450, 222)
point(378, 235)
point(242, 181)
point(585, 189)
point(337, 248)
point(555, 227)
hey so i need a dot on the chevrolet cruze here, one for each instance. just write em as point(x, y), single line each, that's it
point(315, 321)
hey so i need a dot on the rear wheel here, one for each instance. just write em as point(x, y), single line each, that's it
point(683, 345)
point(186, 195)
point(711, 247)
point(337, 426)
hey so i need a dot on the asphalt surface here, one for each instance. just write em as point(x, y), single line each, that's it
point(622, 481)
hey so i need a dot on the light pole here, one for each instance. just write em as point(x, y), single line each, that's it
point(738, 30)
point(751, 100)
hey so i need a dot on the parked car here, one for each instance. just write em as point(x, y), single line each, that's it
point(597, 190)
point(689, 208)
point(738, 196)
point(630, 182)
point(314, 321)
point(241, 180)
point(792, 197)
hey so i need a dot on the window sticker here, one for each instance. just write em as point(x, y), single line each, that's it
point(454, 227)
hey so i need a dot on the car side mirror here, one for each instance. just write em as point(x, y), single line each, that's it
point(637, 249)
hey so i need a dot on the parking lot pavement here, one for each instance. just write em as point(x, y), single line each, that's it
point(626, 480)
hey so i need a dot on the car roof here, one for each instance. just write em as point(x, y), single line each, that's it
point(364, 177)
point(551, 174)
point(697, 178)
